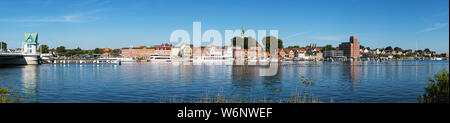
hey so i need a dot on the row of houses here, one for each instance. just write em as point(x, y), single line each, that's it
point(313, 53)
point(353, 50)
point(349, 49)
point(397, 52)
point(207, 53)
point(345, 50)
point(188, 52)
point(144, 52)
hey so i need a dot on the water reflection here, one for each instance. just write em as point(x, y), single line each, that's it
point(248, 82)
point(244, 76)
point(392, 81)
point(354, 71)
point(351, 73)
point(29, 79)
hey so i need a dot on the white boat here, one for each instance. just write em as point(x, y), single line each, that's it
point(160, 59)
point(253, 60)
point(123, 60)
point(274, 60)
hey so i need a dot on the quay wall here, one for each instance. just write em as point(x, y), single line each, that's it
point(18, 59)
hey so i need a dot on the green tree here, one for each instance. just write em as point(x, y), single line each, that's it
point(248, 41)
point(419, 51)
point(292, 47)
point(61, 50)
point(398, 49)
point(98, 51)
point(115, 51)
point(361, 47)
point(426, 50)
point(43, 49)
point(438, 89)
point(266, 42)
point(90, 52)
point(3, 45)
point(328, 47)
point(388, 48)
point(67, 53)
point(78, 51)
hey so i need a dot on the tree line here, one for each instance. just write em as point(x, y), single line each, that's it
point(3, 46)
point(62, 51)
point(249, 42)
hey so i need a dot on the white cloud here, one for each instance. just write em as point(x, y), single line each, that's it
point(63, 19)
point(328, 38)
point(294, 35)
point(435, 26)
point(32, 25)
point(86, 16)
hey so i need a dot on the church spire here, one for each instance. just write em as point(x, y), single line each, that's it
point(242, 33)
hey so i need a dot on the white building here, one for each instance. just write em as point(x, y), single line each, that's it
point(301, 54)
point(30, 44)
point(214, 51)
point(364, 51)
point(175, 52)
point(186, 51)
point(228, 53)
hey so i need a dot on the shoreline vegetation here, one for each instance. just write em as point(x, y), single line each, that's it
point(8, 95)
point(301, 96)
point(437, 90)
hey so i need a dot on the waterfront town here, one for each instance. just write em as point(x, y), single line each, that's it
point(295, 51)
point(346, 51)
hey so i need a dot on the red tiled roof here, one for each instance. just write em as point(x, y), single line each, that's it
point(238, 49)
point(301, 49)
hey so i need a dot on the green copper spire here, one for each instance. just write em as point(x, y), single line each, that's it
point(31, 38)
point(243, 32)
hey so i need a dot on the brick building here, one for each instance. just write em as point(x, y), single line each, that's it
point(137, 52)
point(350, 49)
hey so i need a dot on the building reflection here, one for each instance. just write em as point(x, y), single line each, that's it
point(29, 79)
point(354, 71)
point(351, 72)
point(247, 80)
point(244, 76)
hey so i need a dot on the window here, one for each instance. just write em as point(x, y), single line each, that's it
point(29, 45)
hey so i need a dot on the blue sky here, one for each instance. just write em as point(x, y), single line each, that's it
point(122, 23)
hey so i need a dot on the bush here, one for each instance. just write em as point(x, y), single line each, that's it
point(9, 96)
point(437, 90)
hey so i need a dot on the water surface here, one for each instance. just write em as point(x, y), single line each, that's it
point(392, 81)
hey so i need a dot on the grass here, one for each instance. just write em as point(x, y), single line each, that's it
point(7, 95)
point(219, 98)
point(298, 97)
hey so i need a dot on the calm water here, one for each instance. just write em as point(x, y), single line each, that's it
point(393, 81)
